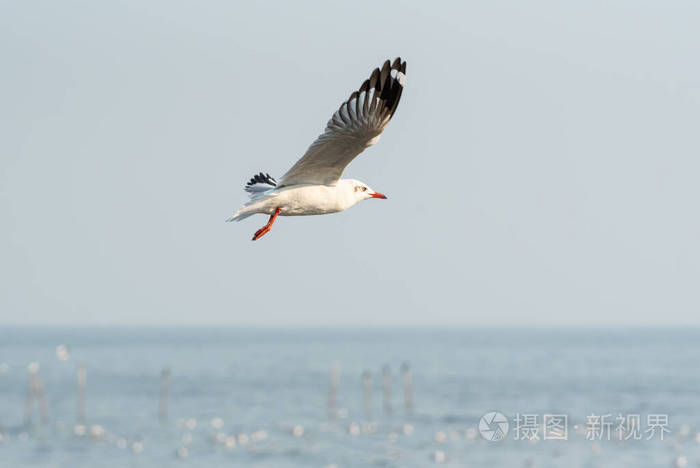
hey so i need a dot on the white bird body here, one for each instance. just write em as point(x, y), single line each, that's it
point(313, 185)
point(304, 200)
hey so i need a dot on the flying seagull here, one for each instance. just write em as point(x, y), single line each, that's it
point(313, 185)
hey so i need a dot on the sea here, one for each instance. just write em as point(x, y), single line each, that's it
point(340, 397)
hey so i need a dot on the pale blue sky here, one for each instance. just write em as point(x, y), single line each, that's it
point(542, 166)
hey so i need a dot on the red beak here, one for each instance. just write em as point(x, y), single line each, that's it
point(379, 195)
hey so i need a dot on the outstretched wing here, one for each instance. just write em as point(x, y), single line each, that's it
point(356, 125)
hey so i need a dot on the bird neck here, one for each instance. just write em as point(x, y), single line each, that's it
point(345, 193)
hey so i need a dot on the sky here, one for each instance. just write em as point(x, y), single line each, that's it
point(542, 166)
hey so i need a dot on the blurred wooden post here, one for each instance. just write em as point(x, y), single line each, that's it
point(367, 399)
point(407, 387)
point(386, 375)
point(41, 399)
point(29, 402)
point(82, 383)
point(164, 383)
point(333, 389)
point(35, 392)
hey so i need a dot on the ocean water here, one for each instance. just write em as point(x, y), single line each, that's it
point(259, 397)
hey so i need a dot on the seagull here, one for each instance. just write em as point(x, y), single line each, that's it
point(313, 185)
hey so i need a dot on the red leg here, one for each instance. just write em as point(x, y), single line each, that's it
point(266, 228)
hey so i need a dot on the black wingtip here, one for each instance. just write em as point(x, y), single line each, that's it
point(388, 87)
point(374, 79)
point(262, 178)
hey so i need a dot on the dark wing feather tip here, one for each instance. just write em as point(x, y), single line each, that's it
point(262, 178)
point(374, 78)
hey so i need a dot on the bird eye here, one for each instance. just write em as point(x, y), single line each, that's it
point(364, 189)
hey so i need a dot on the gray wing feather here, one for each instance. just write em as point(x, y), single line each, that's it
point(355, 126)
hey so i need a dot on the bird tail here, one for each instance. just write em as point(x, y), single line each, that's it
point(242, 213)
point(257, 187)
point(251, 207)
point(238, 217)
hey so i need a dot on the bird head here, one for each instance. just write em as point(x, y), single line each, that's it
point(362, 191)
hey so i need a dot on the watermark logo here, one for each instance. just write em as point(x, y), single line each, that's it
point(493, 426)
